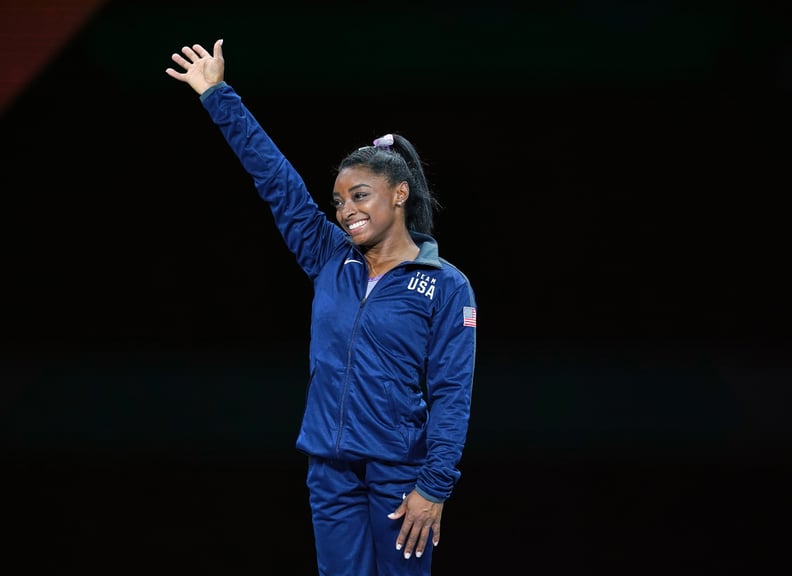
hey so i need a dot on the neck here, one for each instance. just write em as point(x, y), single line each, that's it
point(383, 258)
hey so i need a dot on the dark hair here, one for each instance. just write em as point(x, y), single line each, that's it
point(399, 162)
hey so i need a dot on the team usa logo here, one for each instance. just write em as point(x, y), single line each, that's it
point(423, 284)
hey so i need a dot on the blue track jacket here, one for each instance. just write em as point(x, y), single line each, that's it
point(391, 374)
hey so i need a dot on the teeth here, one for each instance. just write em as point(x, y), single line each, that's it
point(357, 224)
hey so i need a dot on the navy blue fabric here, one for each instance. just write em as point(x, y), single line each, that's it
point(391, 374)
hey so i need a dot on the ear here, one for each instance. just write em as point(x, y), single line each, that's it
point(402, 193)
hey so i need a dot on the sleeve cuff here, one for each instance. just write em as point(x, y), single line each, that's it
point(211, 89)
point(429, 496)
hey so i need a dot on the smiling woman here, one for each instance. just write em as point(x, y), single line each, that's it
point(392, 364)
point(609, 175)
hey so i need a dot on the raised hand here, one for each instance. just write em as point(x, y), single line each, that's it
point(201, 69)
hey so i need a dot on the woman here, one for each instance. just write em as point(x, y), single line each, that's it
point(393, 339)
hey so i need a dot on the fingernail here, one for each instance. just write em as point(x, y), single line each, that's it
point(406, 555)
point(418, 554)
point(398, 546)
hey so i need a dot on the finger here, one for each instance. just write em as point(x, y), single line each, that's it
point(403, 535)
point(218, 48)
point(421, 544)
point(191, 56)
point(411, 542)
point(180, 60)
point(400, 511)
point(436, 533)
point(200, 50)
point(417, 536)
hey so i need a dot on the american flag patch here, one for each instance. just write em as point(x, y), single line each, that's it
point(469, 316)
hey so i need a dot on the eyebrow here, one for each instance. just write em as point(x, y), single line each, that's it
point(356, 187)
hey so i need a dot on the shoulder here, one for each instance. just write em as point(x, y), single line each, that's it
point(455, 277)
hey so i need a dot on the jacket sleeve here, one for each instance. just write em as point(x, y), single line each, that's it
point(308, 233)
point(449, 383)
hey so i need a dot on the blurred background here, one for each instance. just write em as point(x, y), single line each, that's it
point(613, 175)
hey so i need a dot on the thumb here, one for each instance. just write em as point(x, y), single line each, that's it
point(399, 512)
point(218, 48)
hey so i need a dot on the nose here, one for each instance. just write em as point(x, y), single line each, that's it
point(346, 209)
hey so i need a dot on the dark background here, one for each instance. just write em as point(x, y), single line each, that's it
point(614, 176)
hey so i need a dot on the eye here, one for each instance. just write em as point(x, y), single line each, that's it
point(336, 203)
point(357, 196)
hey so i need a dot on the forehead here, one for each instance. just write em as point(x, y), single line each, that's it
point(358, 178)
